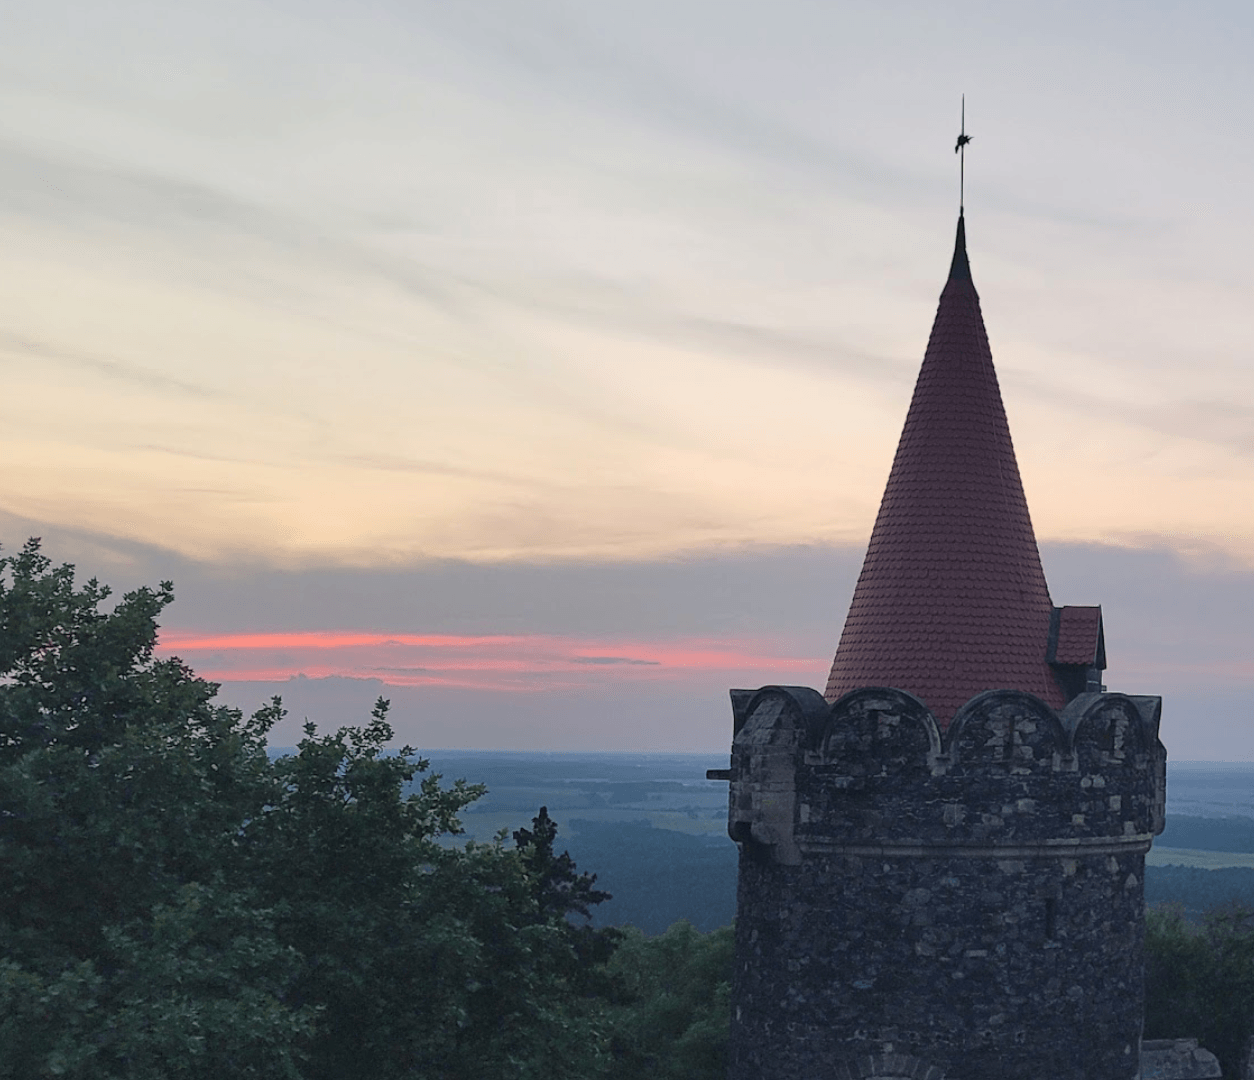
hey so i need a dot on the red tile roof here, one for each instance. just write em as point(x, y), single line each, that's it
point(952, 599)
point(1079, 637)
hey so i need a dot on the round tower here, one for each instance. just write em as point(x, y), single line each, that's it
point(942, 860)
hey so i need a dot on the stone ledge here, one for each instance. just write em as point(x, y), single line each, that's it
point(1058, 849)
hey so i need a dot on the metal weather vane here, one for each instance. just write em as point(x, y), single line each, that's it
point(960, 148)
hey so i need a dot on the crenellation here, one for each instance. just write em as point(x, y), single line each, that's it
point(871, 758)
point(950, 895)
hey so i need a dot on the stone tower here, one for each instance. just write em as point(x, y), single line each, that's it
point(942, 859)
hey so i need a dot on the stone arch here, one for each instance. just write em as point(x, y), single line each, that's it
point(777, 715)
point(1009, 729)
point(880, 729)
point(1109, 732)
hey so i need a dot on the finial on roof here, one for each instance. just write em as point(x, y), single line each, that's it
point(960, 148)
point(960, 269)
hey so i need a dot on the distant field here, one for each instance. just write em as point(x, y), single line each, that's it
point(665, 791)
point(482, 825)
point(1205, 860)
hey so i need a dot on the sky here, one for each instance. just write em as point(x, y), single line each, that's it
point(538, 365)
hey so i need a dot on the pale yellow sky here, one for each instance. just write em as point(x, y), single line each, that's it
point(320, 285)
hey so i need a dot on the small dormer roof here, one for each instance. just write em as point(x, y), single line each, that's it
point(1080, 640)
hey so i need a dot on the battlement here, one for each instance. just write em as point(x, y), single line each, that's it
point(874, 769)
point(971, 897)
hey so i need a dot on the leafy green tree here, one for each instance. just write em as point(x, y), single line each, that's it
point(537, 1006)
point(1199, 979)
point(673, 1012)
point(128, 949)
point(178, 905)
point(422, 959)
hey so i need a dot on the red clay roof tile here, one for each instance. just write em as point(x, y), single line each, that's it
point(952, 599)
point(1079, 636)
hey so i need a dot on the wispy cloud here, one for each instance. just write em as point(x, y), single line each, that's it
point(372, 283)
point(505, 662)
point(615, 660)
point(30, 351)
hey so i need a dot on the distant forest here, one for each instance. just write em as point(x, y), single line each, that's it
point(658, 876)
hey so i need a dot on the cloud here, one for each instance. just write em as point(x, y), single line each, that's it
point(589, 281)
point(34, 351)
point(591, 57)
point(615, 660)
point(195, 224)
point(508, 663)
point(474, 653)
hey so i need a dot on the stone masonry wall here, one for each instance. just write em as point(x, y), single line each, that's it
point(968, 905)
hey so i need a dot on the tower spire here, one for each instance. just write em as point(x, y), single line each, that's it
point(952, 599)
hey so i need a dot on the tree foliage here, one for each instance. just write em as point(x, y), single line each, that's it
point(178, 905)
point(1199, 979)
point(672, 1015)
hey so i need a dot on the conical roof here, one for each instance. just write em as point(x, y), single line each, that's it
point(952, 599)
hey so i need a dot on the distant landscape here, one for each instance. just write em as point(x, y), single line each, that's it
point(650, 826)
point(654, 830)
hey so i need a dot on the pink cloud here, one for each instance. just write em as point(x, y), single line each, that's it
point(507, 662)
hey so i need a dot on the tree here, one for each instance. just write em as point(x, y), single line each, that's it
point(673, 1009)
point(1199, 980)
point(178, 905)
point(423, 959)
point(129, 948)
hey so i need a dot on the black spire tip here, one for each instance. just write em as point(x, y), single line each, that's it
point(960, 269)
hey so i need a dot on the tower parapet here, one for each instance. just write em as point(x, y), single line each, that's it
point(971, 900)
